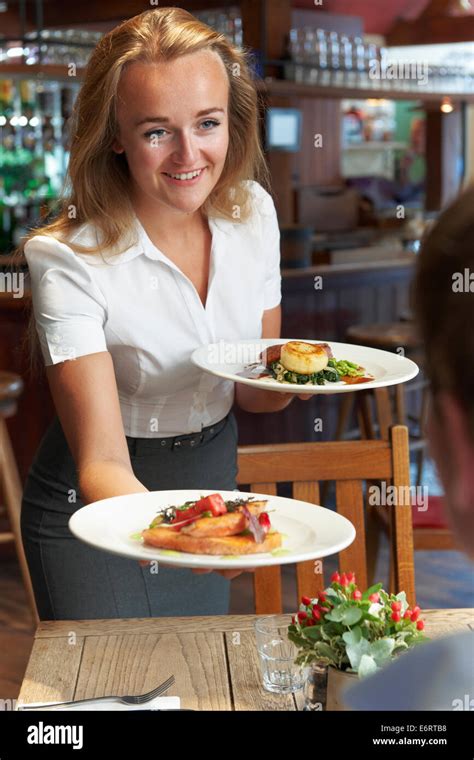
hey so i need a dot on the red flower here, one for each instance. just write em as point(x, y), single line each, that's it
point(420, 625)
point(322, 596)
point(316, 614)
point(357, 594)
point(395, 617)
point(306, 600)
point(351, 577)
point(374, 598)
point(335, 577)
point(302, 616)
point(396, 606)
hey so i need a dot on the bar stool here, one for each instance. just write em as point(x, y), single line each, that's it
point(389, 337)
point(11, 386)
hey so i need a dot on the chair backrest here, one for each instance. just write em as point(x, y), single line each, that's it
point(349, 464)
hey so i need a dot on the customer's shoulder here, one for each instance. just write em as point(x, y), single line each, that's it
point(438, 671)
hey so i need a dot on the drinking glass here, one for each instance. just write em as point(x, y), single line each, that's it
point(277, 655)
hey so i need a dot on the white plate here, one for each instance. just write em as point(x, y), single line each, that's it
point(226, 359)
point(310, 532)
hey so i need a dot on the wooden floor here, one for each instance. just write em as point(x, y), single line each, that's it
point(16, 630)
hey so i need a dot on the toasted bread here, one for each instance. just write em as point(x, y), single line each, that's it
point(164, 538)
point(226, 525)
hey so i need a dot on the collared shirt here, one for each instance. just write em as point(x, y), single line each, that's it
point(139, 306)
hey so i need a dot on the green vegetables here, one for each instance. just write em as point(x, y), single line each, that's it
point(332, 373)
point(281, 374)
point(344, 367)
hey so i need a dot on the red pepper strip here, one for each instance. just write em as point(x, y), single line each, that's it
point(264, 520)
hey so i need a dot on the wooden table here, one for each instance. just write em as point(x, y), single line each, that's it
point(214, 659)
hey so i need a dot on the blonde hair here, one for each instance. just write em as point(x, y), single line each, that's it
point(98, 177)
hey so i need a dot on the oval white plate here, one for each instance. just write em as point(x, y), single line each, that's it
point(310, 531)
point(226, 359)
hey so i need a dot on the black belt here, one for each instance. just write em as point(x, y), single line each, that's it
point(139, 446)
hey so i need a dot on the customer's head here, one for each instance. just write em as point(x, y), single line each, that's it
point(443, 301)
point(163, 62)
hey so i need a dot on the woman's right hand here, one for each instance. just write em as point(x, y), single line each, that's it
point(229, 574)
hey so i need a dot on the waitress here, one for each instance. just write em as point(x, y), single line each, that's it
point(164, 243)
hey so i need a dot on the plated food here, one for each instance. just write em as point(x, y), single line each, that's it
point(301, 363)
point(213, 525)
point(303, 366)
point(305, 531)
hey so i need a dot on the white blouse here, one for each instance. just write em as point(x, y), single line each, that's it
point(139, 306)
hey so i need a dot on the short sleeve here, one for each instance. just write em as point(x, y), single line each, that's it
point(270, 237)
point(70, 310)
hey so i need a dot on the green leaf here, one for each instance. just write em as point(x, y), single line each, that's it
point(352, 637)
point(313, 633)
point(330, 630)
point(372, 618)
point(367, 666)
point(381, 650)
point(324, 650)
point(372, 590)
point(336, 615)
point(356, 651)
point(351, 616)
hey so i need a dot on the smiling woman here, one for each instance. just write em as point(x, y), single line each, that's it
point(177, 158)
point(166, 232)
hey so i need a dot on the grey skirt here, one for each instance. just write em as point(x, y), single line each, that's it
point(73, 581)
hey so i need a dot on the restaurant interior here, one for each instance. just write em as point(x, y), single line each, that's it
point(366, 116)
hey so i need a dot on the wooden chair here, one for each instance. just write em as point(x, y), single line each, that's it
point(349, 463)
point(11, 386)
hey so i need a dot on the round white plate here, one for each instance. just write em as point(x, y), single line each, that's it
point(310, 532)
point(226, 359)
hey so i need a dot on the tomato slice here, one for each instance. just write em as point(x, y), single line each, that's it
point(213, 503)
point(180, 523)
point(183, 514)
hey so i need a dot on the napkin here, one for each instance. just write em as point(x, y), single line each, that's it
point(159, 703)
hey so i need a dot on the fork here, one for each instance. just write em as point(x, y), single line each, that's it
point(139, 699)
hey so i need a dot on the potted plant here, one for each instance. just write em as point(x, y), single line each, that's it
point(353, 632)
